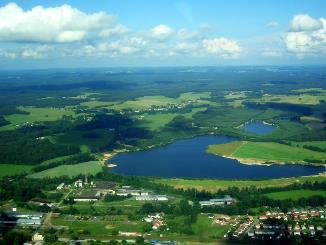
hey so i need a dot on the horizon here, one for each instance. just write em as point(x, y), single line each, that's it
point(161, 34)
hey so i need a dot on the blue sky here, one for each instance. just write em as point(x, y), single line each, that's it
point(42, 34)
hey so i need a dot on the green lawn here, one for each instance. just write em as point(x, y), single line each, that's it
point(36, 115)
point(215, 184)
point(295, 194)
point(265, 152)
point(14, 169)
point(91, 167)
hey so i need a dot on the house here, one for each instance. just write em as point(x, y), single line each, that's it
point(78, 183)
point(152, 198)
point(37, 237)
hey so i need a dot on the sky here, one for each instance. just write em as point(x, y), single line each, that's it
point(119, 33)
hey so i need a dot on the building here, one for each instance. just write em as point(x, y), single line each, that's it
point(226, 200)
point(37, 237)
point(152, 198)
point(60, 187)
point(131, 192)
point(86, 199)
point(78, 183)
point(22, 219)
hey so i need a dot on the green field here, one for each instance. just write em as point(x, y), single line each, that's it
point(159, 120)
point(265, 152)
point(79, 138)
point(295, 194)
point(146, 102)
point(35, 115)
point(91, 167)
point(213, 185)
point(304, 99)
point(204, 228)
point(14, 169)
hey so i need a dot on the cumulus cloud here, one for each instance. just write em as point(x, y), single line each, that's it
point(61, 24)
point(307, 36)
point(222, 47)
point(273, 24)
point(161, 32)
point(303, 22)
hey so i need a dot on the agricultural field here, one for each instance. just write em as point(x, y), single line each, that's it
point(295, 194)
point(147, 102)
point(215, 184)
point(36, 115)
point(266, 152)
point(159, 120)
point(14, 169)
point(302, 99)
point(91, 168)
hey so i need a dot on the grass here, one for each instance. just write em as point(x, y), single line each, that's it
point(91, 167)
point(79, 138)
point(224, 149)
point(265, 152)
point(304, 99)
point(35, 115)
point(146, 102)
point(215, 184)
point(159, 120)
point(295, 194)
point(14, 169)
point(320, 144)
point(204, 228)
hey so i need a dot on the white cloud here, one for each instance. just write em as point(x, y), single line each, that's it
point(35, 52)
point(222, 47)
point(185, 34)
point(54, 24)
point(307, 36)
point(303, 22)
point(7, 54)
point(273, 24)
point(161, 32)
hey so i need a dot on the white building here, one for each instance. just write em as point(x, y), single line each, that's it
point(152, 198)
point(60, 187)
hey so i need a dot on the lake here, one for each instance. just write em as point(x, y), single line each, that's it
point(188, 158)
point(259, 128)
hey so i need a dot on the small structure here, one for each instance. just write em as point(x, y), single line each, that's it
point(60, 187)
point(86, 199)
point(37, 237)
point(78, 183)
point(152, 198)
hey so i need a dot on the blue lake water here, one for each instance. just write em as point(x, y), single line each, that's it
point(259, 128)
point(188, 158)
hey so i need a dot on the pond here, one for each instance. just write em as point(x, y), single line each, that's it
point(259, 128)
point(188, 158)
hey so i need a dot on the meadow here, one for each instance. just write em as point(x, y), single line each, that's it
point(34, 114)
point(91, 168)
point(14, 169)
point(295, 194)
point(266, 152)
point(215, 184)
